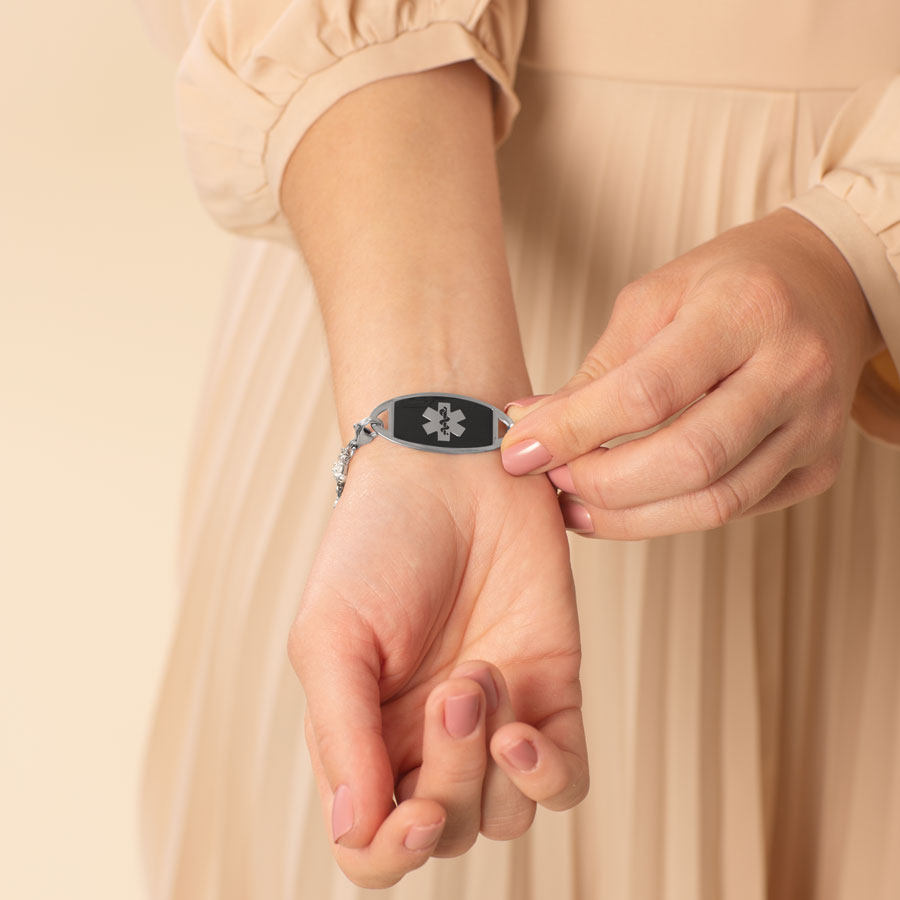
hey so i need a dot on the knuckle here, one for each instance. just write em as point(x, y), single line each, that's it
point(704, 455)
point(633, 294)
point(593, 366)
point(637, 294)
point(719, 504)
point(601, 486)
point(815, 366)
point(570, 432)
point(834, 418)
point(648, 396)
point(825, 474)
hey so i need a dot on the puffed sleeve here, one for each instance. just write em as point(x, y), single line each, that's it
point(257, 73)
point(853, 196)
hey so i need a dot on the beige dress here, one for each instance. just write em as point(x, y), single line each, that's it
point(742, 686)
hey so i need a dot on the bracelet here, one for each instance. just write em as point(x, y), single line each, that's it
point(432, 422)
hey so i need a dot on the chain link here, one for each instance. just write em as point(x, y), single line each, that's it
point(360, 437)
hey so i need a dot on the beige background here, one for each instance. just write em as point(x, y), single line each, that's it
point(110, 274)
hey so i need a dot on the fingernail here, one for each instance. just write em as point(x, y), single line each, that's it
point(522, 756)
point(562, 478)
point(341, 812)
point(491, 697)
point(421, 836)
point(461, 715)
point(576, 517)
point(524, 401)
point(524, 457)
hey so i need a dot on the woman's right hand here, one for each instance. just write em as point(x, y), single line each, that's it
point(437, 643)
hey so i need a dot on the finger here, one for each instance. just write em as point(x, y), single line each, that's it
point(695, 450)
point(800, 484)
point(338, 664)
point(406, 786)
point(727, 499)
point(548, 764)
point(687, 358)
point(403, 841)
point(516, 409)
point(640, 311)
point(506, 812)
point(454, 757)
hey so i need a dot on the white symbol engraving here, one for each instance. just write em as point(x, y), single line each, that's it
point(443, 421)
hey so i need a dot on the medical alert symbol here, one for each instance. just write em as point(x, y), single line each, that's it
point(443, 421)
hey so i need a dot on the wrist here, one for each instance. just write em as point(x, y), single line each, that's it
point(357, 402)
point(461, 342)
point(824, 256)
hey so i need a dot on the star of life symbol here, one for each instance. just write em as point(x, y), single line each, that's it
point(443, 421)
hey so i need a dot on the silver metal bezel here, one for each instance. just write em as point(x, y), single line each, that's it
point(386, 431)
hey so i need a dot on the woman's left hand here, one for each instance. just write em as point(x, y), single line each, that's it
point(758, 337)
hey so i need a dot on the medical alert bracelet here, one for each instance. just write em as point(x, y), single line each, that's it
point(440, 423)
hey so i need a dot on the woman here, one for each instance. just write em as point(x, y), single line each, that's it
point(691, 206)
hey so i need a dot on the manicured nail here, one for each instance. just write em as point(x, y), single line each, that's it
point(461, 714)
point(524, 401)
point(524, 457)
point(341, 812)
point(486, 680)
point(576, 517)
point(562, 478)
point(419, 837)
point(522, 756)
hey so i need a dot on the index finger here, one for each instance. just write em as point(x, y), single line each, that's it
point(683, 361)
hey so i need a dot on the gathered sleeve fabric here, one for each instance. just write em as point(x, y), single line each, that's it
point(257, 73)
point(853, 195)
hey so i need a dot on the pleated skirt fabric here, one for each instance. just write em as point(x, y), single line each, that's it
point(741, 686)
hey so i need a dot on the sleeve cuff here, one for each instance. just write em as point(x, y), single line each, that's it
point(876, 406)
point(438, 44)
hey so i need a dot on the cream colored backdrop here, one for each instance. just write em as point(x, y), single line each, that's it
point(110, 275)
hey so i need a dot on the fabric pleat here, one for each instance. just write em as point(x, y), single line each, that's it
point(741, 686)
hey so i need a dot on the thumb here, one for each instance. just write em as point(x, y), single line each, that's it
point(337, 661)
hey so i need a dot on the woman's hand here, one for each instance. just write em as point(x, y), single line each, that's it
point(437, 643)
point(762, 333)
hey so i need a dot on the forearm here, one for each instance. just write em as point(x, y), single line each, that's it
point(393, 197)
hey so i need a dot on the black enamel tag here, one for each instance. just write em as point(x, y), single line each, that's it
point(449, 423)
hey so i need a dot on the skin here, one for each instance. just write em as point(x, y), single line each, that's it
point(398, 618)
point(439, 577)
point(765, 331)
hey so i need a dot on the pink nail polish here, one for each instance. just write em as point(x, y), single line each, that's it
point(486, 680)
point(561, 477)
point(491, 697)
point(524, 457)
point(576, 517)
point(522, 756)
point(524, 401)
point(341, 812)
point(420, 837)
point(461, 714)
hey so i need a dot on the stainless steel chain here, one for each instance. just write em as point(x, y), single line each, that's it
point(360, 437)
